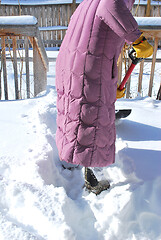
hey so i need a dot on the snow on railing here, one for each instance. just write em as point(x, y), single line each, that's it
point(16, 32)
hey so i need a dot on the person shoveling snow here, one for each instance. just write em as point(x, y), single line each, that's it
point(86, 83)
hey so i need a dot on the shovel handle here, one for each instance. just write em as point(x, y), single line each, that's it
point(124, 81)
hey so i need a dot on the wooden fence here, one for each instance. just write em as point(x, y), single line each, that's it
point(48, 17)
point(51, 15)
point(151, 27)
point(13, 33)
point(53, 21)
point(143, 10)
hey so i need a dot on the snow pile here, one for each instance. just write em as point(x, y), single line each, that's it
point(40, 200)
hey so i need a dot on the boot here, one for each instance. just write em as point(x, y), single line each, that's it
point(92, 184)
point(70, 168)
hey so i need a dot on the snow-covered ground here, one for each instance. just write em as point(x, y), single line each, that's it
point(39, 200)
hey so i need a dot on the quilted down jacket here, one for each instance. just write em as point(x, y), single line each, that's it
point(86, 80)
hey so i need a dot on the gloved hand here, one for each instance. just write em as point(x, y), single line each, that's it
point(120, 93)
point(142, 48)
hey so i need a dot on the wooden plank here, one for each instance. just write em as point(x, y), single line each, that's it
point(0, 75)
point(64, 19)
point(40, 49)
point(28, 10)
point(140, 76)
point(44, 21)
point(128, 82)
point(27, 67)
point(15, 67)
point(59, 22)
point(74, 6)
point(8, 58)
point(156, 11)
point(22, 9)
point(4, 11)
point(41, 20)
point(50, 42)
point(148, 9)
point(48, 22)
point(64, 11)
point(16, 12)
point(35, 12)
point(18, 30)
point(7, 11)
point(1, 12)
point(4, 67)
point(68, 14)
point(35, 69)
point(32, 11)
point(55, 22)
point(12, 13)
point(19, 41)
point(39, 71)
point(38, 15)
point(151, 33)
point(153, 67)
point(141, 11)
point(120, 67)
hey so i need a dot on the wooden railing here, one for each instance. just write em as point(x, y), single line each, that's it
point(144, 9)
point(58, 14)
point(48, 15)
point(31, 35)
point(151, 27)
point(14, 32)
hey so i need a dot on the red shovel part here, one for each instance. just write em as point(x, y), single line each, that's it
point(135, 60)
point(124, 81)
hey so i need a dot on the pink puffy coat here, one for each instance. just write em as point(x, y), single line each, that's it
point(86, 80)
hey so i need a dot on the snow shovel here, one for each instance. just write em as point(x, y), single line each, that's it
point(123, 113)
point(135, 61)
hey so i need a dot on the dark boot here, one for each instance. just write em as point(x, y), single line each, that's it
point(70, 168)
point(92, 184)
point(90, 178)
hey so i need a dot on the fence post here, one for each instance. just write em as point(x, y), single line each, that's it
point(120, 67)
point(15, 66)
point(148, 8)
point(4, 67)
point(0, 75)
point(153, 67)
point(128, 82)
point(73, 6)
point(39, 71)
point(140, 76)
point(27, 67)
point(35, 69)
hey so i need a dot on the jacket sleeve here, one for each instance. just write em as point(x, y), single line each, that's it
point(119, 18)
